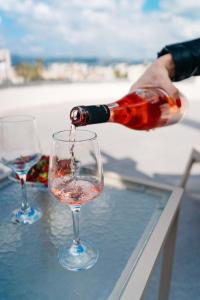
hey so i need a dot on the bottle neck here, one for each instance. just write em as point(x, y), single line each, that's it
point(91, 114)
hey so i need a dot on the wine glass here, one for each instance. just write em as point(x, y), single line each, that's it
point(75, 178)
point(20, 150)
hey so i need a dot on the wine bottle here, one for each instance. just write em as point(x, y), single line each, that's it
point(143, 109)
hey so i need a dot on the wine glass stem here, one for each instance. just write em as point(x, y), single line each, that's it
point(24, 204)
point(75, 217)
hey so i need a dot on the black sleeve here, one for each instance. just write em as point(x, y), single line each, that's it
point(186, 58)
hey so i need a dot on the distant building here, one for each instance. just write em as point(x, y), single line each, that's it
point(7, 72)
point(77, 72)
point(72, 72)
point(5, 64)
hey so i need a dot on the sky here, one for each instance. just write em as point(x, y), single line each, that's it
point(129, 29)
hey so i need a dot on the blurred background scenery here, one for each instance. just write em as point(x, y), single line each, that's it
point(88, 40)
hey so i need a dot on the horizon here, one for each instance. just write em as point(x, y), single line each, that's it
point(87, 59)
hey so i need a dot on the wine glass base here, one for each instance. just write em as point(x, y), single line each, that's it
point(28, 216)
point(77, 257)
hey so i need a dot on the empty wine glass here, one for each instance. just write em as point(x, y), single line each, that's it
point(75, 178)
point(20, 150)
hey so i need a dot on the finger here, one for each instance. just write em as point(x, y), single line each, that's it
point(170, 89)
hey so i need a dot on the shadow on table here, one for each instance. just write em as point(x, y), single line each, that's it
point(125, 166)
point(191, 123)
point(186, 272)
point(128, 167)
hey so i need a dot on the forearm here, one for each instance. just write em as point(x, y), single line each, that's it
point(186, 59)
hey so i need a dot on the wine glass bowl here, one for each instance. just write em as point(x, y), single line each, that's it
point(20, 150)
point(76, 178)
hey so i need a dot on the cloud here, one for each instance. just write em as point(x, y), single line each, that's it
point(99, 27)
point(16, 6)
point(36, 50)
point(184, 7)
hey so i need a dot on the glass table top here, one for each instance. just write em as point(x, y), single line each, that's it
point(119, 223)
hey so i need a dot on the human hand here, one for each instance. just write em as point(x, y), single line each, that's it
point(159, 74)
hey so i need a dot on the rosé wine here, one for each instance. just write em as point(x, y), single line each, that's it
point(75, 192)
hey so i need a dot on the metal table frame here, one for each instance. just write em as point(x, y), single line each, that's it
point(163, 237)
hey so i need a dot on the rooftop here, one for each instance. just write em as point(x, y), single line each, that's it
point(160, 155)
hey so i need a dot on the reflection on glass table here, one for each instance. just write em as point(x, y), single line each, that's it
point(129, 223)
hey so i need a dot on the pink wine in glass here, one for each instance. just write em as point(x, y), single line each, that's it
point(75, 192)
